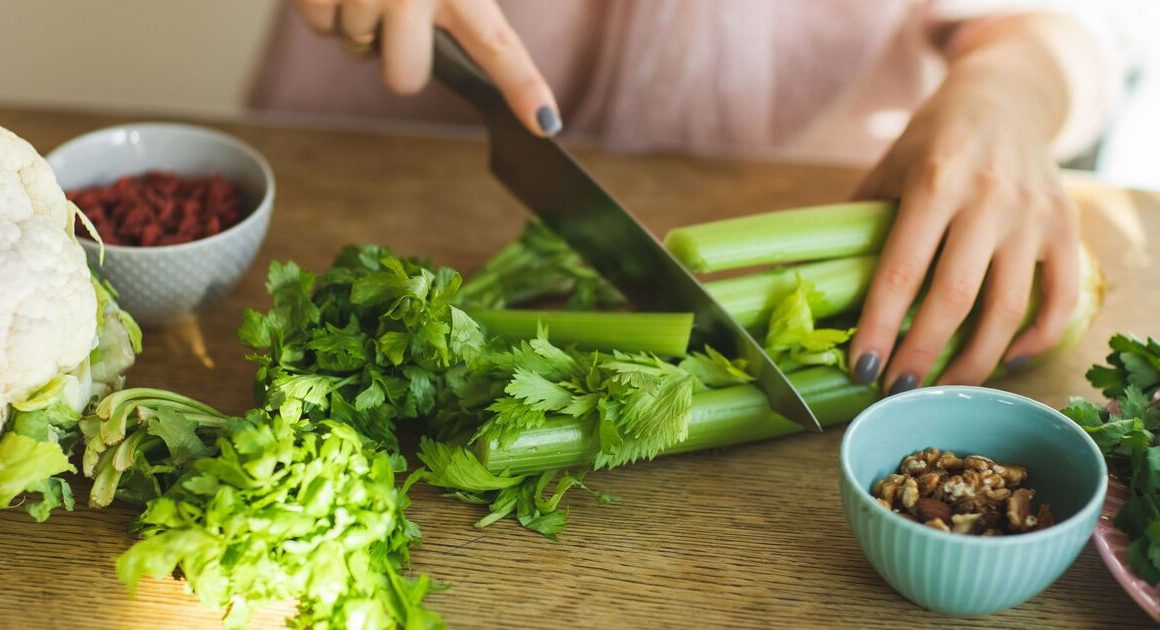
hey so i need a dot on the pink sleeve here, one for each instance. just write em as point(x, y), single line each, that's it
point(1117, 38)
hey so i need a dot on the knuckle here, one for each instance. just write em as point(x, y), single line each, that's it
point(901, 277)
point(1009, 308)
point(988, 183)
point(957, 295)
point(499, 40)
point(932, 171)
point(920, 354)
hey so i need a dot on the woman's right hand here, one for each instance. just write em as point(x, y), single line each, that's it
point(406, 28)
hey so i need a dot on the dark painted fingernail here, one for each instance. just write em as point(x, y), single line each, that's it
point(1017, 364)
point(549, 120)
point(866, 368)
point(905, 383)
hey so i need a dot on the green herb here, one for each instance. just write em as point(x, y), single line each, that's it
point(368, 341)
point(298, 499)
point(536, 266)
point(288, 510)
point(793, 341)
point(1128, 433)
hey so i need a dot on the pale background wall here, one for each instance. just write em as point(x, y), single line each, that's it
point(198, 57)
point(164, 56)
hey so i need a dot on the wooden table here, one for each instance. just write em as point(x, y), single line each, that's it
point(753, 536)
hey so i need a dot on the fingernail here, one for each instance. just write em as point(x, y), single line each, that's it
point(548, 119)
point(866, 368)
point(1017, 364)
point(905, 383)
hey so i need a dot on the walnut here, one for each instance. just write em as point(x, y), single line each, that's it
point(928, 483)
point(997, 496)
point(978, 462)
point(888, 488)
point(1019, 518)
point(928, 509)
point(1012, 474)
point(957, 487)
point(937, 524)
point(975, 504)
point(909, 493)
point(965, 523)
point(991, 480)
point(884, 503)
point(949, 462)
point(913, 465)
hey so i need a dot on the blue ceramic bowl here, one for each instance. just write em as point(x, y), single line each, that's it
point(958, 574)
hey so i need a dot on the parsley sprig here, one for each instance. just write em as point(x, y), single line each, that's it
point(1127, 430)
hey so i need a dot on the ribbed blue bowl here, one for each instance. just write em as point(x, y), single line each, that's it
point(958, 574)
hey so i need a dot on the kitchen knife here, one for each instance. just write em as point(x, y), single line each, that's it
point(544, 177)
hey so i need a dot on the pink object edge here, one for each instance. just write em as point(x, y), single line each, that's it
point(1112, 545)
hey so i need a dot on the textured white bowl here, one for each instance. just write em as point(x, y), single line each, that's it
point(165, 283)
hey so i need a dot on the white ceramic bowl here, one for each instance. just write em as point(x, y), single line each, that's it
point(163, 283)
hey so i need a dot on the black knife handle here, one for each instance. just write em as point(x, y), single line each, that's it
point(454, 68)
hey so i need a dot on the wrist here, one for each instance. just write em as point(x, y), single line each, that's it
point(1009, 65)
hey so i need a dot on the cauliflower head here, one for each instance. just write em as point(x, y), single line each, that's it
point(48, 308)
point(64, 342)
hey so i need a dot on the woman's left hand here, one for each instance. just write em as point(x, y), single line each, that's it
point(982, 205)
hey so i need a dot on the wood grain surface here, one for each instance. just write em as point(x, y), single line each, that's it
point(753, 536)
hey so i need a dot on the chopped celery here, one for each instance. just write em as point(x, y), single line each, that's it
point(841, 285)
point(721, 417)
point(804, 234)
point(663, 334)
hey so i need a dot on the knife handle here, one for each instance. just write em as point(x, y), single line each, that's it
point(453, 67)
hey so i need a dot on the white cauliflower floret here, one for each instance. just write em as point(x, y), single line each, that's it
point(27, 183)
point(48, 309)
point(48, 318)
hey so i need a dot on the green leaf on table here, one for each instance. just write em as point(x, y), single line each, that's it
point(25, 462)
point(451, 466)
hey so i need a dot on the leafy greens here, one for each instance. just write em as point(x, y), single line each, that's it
point(1127, 430)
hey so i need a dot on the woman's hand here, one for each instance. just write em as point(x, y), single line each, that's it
point(406, 28)
point(982, 205)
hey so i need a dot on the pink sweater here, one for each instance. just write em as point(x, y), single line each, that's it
point(815, 80)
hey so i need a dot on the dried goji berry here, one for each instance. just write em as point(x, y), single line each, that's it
point(159, 208)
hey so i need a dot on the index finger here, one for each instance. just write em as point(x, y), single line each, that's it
point(491, 42)
point(909, 249)
point(318, 14)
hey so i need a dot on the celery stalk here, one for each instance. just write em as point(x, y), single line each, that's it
point(664, 334)
point(840, 285)
point(722, 417)
point(817, 233)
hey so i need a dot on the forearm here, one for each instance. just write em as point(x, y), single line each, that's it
point(1044, 64)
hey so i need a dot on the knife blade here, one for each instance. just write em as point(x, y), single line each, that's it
point(542, 175)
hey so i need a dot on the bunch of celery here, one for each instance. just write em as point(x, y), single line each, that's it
point(819, 264)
